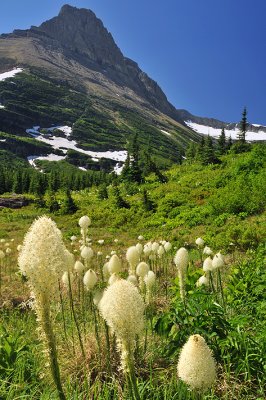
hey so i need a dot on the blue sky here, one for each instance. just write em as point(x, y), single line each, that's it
point(208, 56)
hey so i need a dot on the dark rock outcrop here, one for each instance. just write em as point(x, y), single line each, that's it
point(13, 202)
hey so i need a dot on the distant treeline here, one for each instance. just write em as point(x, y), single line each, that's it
point(27, 180)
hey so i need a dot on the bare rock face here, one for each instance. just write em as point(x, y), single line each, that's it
point(80, 31)
point(76, 43)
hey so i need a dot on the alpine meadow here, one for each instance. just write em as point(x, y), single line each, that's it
point(132, 233)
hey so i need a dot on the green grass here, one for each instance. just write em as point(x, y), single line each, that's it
point(196, 201)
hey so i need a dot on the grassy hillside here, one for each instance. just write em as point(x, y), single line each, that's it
point(99, 123)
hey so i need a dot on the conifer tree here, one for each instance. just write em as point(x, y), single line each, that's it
point(136, 174)
point(132, 171)
point(2, 181)
point(17, 182)
point(118, 199)
point(191, 151)
point(229, 143)
point(102, 192)
point(125, 175)
point(68, 205)
point(200, 150)
point(148, 204)
point(208, 156)
point(221, 143)
point(243, 125)
point(52, 203)
point(150, 166)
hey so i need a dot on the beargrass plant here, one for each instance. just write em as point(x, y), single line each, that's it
point(43, 259)
point(122, 308)
point(196, 365)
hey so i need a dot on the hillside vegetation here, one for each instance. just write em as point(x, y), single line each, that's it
point(223, 203)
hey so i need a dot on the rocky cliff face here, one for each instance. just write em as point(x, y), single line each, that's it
point(81, 32)
point(74, 45)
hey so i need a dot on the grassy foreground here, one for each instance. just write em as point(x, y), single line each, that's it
point(222, 204)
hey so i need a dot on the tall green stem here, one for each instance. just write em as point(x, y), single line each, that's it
point(74, 316)
point(44, 318)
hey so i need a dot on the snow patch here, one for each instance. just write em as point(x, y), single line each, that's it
point(1, 106)
point(118, 168)
point(259, 125)
point(49, 157)
point(2, 140)
point(214, 132)
point(10, 74)
point(83, 169)
point(167, 133)
point(64, 144)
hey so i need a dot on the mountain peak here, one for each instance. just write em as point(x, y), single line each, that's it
point(80, 31)
point(67, 9)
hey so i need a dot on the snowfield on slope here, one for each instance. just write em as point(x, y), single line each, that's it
point(10, 74)
point(214, 132)
point(65, 143)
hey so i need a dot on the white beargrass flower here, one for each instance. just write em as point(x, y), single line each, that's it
point(167, 246)
point(139, 247)
point(149, 280)
point(66, 277)
point(181, 258)
point(113, 252)
point(122, 308)
point(90, 279)
point(114, 265)
point(132, 256)
point(8, 251)
point(196, 365)
point(44, 257)
point(97, 297)
point(160, 251)
point(2, 254)
point(73, 238)
point(86, 253)
point(115, 240)
point(79, 267)
point(101, 241)
point(2, 240)
point(203, 280)
point(199, 242)
point(208, 251)
point(218, 261)
point(71, 259)
point(181, 261)
point(84, 222)
point(155, 246)
point(132, 279)
point(207, 264)
point(147, 248)
point(7, 244)
point(140, 237)
point(113, 278)
point(106, 273)
point(99, 253)
point(142, 269)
